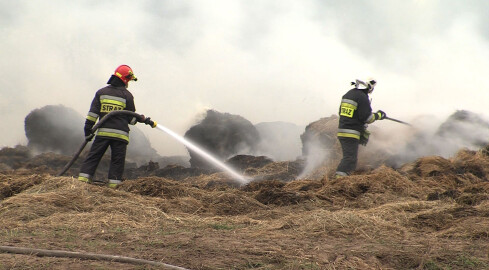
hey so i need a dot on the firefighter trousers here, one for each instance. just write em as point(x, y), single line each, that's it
point(350, 152)
point(117, 158)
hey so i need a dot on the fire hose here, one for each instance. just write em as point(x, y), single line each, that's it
point(398, 121)
point(85, 256)
point(95, 127)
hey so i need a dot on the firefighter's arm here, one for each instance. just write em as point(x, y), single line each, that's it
point(92, 117)
point(131, 107)
point(379, 115)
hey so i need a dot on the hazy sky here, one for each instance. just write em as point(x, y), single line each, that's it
point(265, 60)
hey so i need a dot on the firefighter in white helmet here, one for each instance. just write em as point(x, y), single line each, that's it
point(355, 114)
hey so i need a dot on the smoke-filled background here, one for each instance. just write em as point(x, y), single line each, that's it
point(265, 60)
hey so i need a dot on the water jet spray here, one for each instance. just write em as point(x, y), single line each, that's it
point(236, 176)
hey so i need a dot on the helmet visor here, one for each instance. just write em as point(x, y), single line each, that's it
point(131, 76)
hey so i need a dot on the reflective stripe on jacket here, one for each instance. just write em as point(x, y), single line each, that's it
point(113, 133)
point(106, 100)
point(349, 133)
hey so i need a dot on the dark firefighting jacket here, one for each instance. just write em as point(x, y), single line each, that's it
point(107, 99)
point(355, 112)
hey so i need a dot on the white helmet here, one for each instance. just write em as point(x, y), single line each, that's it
point(359, 84)
point(371, 83)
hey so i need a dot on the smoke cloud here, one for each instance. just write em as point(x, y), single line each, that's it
point(461, 130)
point(267, 61)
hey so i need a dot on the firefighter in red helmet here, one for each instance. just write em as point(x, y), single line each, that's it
point(115, 131)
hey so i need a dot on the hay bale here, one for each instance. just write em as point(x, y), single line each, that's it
point(322, 134)
point(54, 128)
point(222, 134)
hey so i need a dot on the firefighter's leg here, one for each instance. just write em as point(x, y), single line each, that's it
point(117, 162)
point(350, 152)
point(89, 166)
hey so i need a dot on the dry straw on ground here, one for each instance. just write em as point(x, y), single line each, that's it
point(430, 214)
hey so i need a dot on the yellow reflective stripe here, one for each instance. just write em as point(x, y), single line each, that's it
point(92, 114)
point(113, 130)
point(83, 179)
point(113, 98)
point(114, 183)
point(352, 102)
point(371, 119)
point(91, 118)
point(348, 135)
point(348, 105)
point(113, 102)
point(118, 74)
point(113, 135)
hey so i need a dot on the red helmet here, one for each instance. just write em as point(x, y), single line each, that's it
point(124, 72)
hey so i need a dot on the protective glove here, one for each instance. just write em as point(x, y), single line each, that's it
point(380, 115)
point(141, 118)
point(87, 129)
point(149, 122)
point(89, 137)
point(364, 137)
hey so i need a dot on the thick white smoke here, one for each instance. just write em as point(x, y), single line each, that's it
point(430, 136)
point(267, 61)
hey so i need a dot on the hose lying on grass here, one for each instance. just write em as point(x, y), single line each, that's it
point(86, 256)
